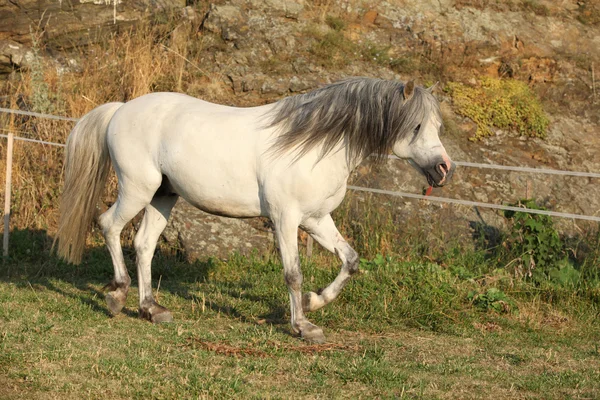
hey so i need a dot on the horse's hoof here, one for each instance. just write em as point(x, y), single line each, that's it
point(313, 334)
point(115, 301)
point(156, 314)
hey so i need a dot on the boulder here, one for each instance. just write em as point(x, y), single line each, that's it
point(201, 235)
point(14, 55)
point(229, 21)
point(64, 25)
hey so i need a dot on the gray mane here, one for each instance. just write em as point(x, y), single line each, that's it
point(369, 114)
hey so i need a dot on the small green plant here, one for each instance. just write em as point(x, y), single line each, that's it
point(504, 103)
point(535, 7)
point(404, 64)
point(564, 274)
point(335, 23)
point(492, 299)
point(332, 48)
point(41, 100)
point(589, 13)
point(535, 243)
point(378, 54)
point(378, 262)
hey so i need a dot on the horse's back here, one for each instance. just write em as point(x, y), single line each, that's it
point(218, 158)
point(208, 152)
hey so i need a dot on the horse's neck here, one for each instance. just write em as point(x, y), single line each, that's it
point(351, 162)
point(341, 157)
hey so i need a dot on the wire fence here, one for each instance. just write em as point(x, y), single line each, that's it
point(10, 136)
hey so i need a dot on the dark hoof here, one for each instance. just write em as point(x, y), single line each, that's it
point(156, 314)
point(116, 297)
point(115, 301)
point(313, 334)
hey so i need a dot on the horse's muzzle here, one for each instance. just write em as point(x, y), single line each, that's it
point(440, 174)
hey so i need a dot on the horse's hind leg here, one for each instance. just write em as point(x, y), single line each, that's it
point(325, 232)
point(133, 197)
point(112, 223)
point(154, 222)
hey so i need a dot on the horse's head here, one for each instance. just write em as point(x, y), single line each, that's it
point(421, 144)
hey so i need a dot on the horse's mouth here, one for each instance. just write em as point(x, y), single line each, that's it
point(437, 175)
point(441, 172)
point(431, 181)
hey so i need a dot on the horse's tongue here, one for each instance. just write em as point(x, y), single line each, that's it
point(428, 190)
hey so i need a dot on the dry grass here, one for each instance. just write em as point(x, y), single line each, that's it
point(149, 58)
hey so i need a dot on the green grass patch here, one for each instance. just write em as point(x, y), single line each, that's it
point(416, 325)
point(588, 13)
point(502, 103)
point(536, 7)
point(331, 48)
point(335, 23)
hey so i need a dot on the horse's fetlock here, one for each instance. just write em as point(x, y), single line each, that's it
point(353, 263)
point(115, 285)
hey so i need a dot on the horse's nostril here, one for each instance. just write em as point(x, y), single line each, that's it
point(442, 169)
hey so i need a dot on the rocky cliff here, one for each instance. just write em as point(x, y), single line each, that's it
point(66, 24)
point(256, 51)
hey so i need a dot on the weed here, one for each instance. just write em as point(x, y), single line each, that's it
point(375, 53)
point(41, 97)
point(504, 103)
point(335, 23)
point(535, 7)
point(403, 64)
point(492, 299)
point(534, 242)
point(332, 48)
point(589, 13)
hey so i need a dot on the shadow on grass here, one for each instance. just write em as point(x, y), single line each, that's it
point(32, 263)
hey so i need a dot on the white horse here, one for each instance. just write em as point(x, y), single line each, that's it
point(288, 161)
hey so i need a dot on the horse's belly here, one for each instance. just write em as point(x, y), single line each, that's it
point(229, 196)
point(226, 206)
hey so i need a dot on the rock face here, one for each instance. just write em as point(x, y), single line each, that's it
point(551, 46)
point(14, 54)
point(66, 24)
point(263, 50)
point(203, 235)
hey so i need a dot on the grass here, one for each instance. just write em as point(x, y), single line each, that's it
point(430, 316)
point(408, 326)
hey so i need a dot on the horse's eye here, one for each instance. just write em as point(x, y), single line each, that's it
point(417, 129)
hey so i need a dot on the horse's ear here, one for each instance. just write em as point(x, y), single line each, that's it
point(409, 89)
point(432, 88)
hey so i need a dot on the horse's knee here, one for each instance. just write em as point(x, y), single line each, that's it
point(293, 279)
point(143, 249)
point(140, 245)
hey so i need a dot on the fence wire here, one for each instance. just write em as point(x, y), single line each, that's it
point(394, 193)
point(475, 203)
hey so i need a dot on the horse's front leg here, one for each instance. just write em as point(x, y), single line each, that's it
point(286, 229)
point(324, 231)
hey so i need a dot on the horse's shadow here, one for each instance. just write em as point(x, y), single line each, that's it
point(31, 263)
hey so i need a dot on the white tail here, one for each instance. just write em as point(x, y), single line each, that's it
point(87, 163)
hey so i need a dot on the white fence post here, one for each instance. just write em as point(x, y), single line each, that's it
point(7, 192)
